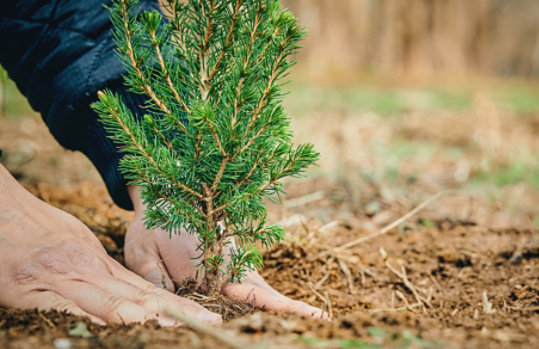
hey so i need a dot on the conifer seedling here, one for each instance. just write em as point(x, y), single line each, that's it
point(214, 140)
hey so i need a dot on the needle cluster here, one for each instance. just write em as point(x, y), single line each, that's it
point(215, 139)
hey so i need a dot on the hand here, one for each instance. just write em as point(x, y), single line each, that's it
point(168, 261)
point(50, 260)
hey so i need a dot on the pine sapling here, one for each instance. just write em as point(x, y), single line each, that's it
point(214, 140)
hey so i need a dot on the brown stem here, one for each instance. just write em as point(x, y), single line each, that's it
point(130, 53)
point(237, 101)
point(203, 74)
point(227, 41)
point(220, 173)
point(166, 73)
point(262, 101)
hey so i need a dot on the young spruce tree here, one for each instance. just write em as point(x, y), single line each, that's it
point(215, 139)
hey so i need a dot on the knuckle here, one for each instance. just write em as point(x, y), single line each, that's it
point(53, 259)
point(112, 303)
point(150, 302)
point(26, 273)
point(64, 305)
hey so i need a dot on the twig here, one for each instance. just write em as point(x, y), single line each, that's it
point(330, 308)
point(322, 280)
point(326, 276)
point(346, 271)
point(211, 331)
point(379, 310)
point(317, 294)
point(328, 226)
point(487, 306)
point(407, 283)
point(305, 199)
point(396, 223)
point(401, 296)
point(522, 309)
point(47, 320)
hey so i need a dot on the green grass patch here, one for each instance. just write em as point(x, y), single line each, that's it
point(12, 102)
point(378, 338)
point(518, 99)
point(303, 99)
point(515, 173)
point(382, 101)
point(336, 343)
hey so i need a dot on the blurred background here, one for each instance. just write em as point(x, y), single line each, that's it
point(419, 37)
point(403, 98)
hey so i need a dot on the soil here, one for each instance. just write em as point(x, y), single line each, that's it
point(438, 280)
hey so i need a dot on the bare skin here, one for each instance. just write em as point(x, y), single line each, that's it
point(166, 262)
point(49, 259)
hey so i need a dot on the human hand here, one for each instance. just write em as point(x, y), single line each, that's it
point(168, 261)
point(50, 260)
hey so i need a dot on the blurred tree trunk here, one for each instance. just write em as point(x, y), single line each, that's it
point(420, 36)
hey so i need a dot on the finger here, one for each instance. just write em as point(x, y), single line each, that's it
point(103, 304)
point(301, 308)
point(261, 298)
point(268, 299)
point(46, 300)
point(165, 299)
point(160, 302)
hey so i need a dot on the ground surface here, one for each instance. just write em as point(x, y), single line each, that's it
point(463, 272)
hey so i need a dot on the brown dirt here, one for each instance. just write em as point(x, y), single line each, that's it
point(438, 280)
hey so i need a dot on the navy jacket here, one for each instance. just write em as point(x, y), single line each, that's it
point(60, 53)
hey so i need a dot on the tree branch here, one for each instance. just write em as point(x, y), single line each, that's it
point(138, 146)
point(166, 73)
point(130, 53)
point(227, 41)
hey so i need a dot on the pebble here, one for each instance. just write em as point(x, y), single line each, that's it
point(62, 343)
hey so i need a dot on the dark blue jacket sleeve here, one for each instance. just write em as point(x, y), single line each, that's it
point(60, 53)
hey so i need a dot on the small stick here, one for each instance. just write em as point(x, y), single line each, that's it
point(326, 276)
point(487, 306)
point(328, 226)
point(396, 223)
point(328, 305)
point(330, 308)
point(379, 310)
point(407, 283)
point(435, 282)
point(304, 200)
point(347, 273)
point(401, 296)
point(47, 320)
point(322, 280)
point(201, 327)
point(412, 288)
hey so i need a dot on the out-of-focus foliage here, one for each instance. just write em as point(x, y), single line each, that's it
point(423, 37)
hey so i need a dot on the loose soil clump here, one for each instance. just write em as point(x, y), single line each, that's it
point(439, 280)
